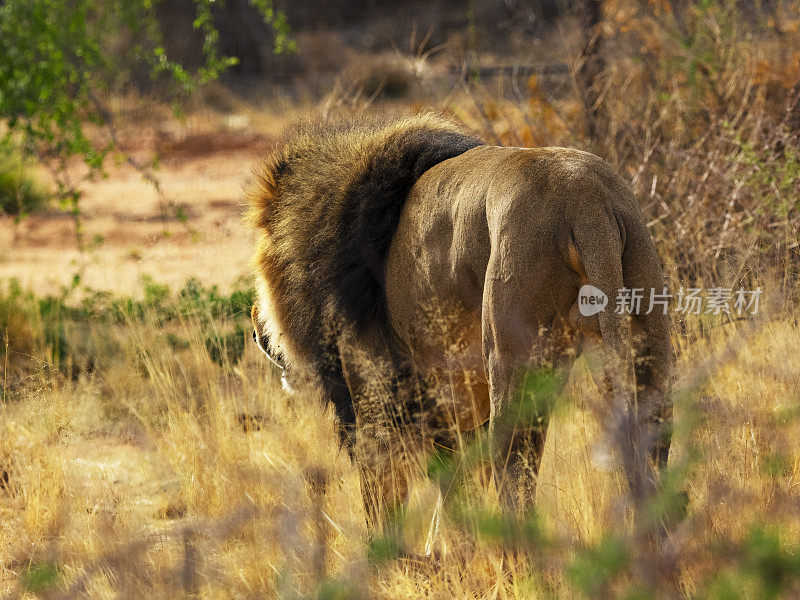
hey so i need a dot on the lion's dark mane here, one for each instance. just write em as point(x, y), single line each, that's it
point(329, 201)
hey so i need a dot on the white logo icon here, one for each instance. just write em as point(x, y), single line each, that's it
point(591, 300)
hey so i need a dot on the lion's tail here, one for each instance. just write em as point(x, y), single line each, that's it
point(601, 248)
point(618, 254)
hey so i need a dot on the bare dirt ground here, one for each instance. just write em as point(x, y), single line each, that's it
point(128, 230)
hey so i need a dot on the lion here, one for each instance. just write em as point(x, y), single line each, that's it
point(403, 260)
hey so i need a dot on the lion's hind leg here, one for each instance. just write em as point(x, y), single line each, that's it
point(527, 365)
point(518, 429)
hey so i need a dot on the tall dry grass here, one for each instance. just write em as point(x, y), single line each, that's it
point(161, 472)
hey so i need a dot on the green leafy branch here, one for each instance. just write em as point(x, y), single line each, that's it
point(59, 60)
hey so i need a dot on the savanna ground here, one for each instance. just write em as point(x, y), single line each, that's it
point(147, 450)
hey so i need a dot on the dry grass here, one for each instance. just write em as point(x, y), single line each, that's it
point(165, 474)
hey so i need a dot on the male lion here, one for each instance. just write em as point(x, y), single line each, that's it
point(414, 275)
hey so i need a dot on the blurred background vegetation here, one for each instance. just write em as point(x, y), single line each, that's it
point(145, 447)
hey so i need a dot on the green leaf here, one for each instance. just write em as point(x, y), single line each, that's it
point(383, 549)
point(40, 577)
point(593, 569)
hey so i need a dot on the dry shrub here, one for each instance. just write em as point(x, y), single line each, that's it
point(387, 76)
point(702, 128)
point(698, 105)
